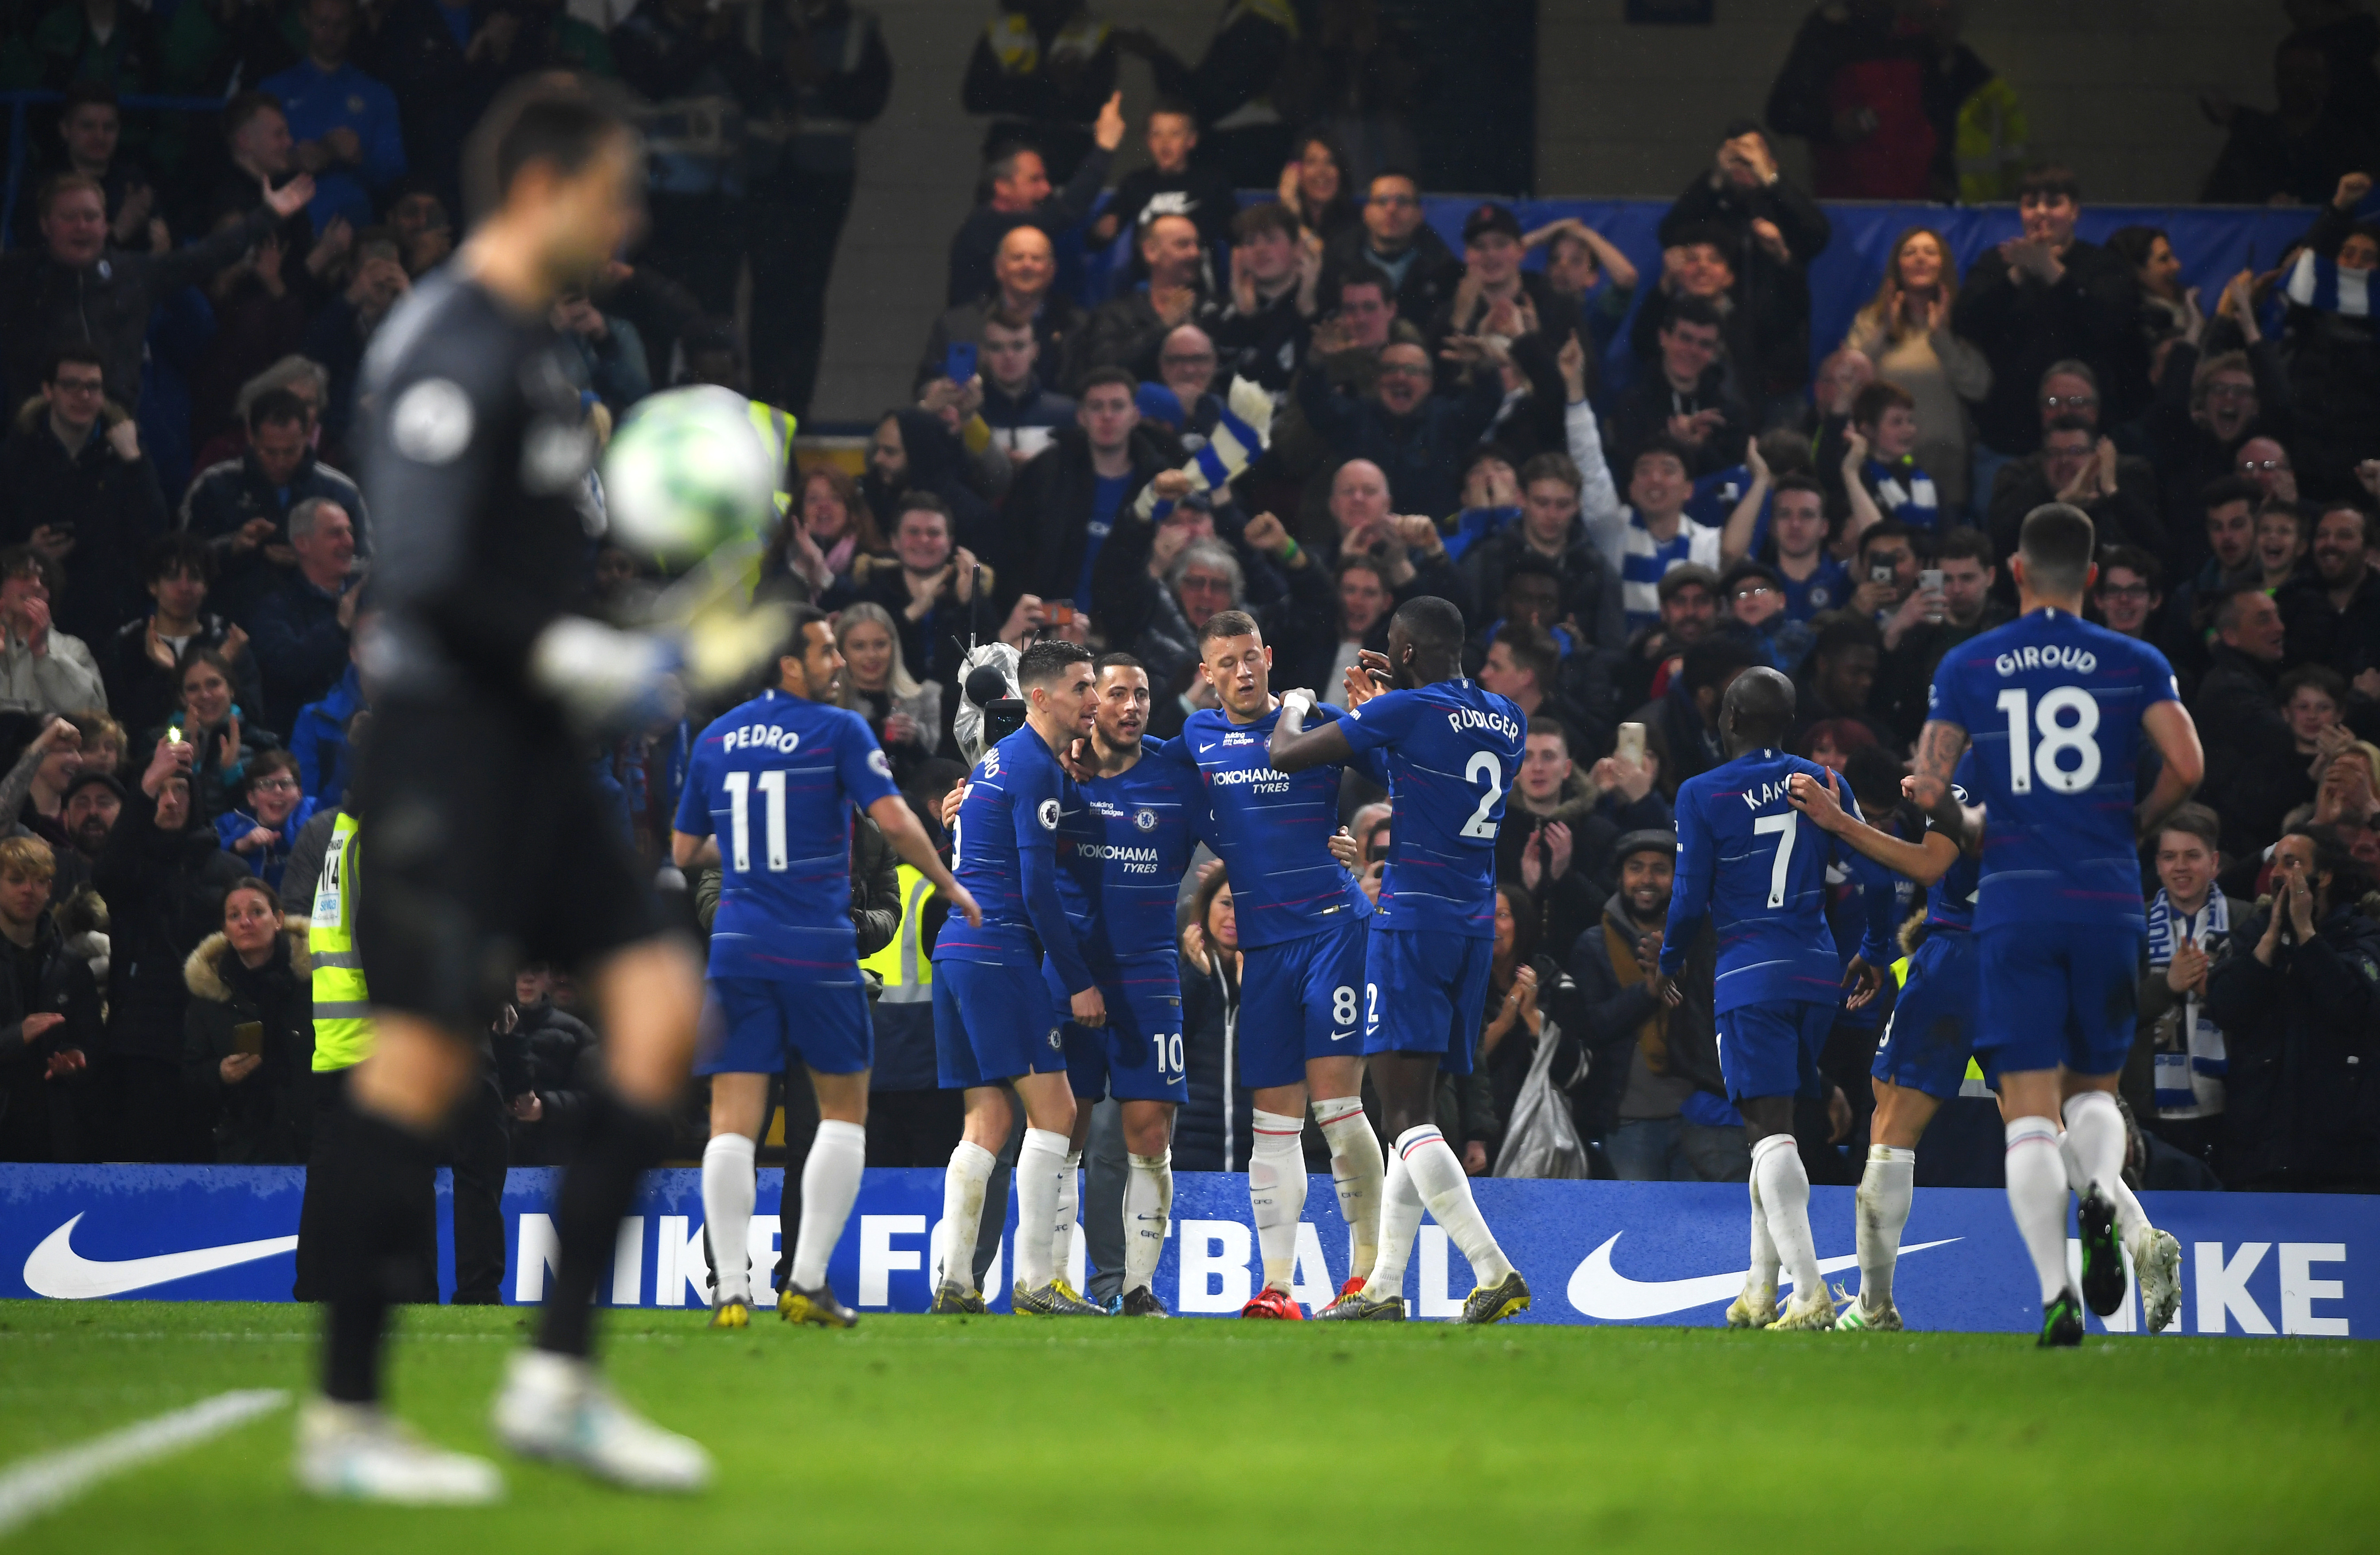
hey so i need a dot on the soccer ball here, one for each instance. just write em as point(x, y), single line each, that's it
point(688, 472)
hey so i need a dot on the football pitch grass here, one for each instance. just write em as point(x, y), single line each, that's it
point(1052, 1436)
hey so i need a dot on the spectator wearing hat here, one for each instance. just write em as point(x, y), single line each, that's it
point(1770, 232)
point(1492, 280)
point(1654, 1098)
point(1395, 240)
point(1756, 614)
point(1688, 599)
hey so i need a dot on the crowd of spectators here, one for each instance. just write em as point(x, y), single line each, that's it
point(187, 301)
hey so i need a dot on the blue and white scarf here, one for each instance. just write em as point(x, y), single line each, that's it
point(2189, 1082)
point(2318, 282)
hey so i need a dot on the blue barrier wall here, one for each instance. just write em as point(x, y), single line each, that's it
point(1592, 1252)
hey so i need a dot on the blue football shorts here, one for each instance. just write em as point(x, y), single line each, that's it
point(1301, 999)
point(1931, 1035)
point(758, 1026)
point(1137, 1055)
point(1772, 1050)
point(993, 1023)
point(1425, 993)
point(2059, 995)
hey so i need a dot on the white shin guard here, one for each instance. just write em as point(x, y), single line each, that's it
point(727, 1190)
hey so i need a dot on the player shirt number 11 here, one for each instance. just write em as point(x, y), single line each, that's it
point(772, 790)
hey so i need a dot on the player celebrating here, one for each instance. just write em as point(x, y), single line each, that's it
point(1302, 942)
point(1777, 986)
point(993, 1019)
point(768, 798)
point(2055, 708)
point(1447, 752)
point(489, 847)
point(1922, 1062)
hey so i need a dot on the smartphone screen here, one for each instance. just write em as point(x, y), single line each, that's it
point(1630, 748)
point(248, 1036)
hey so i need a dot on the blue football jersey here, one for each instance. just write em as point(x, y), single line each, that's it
point(1447, 754)
point(1747, 858)
point(1951, 903)
point(774, 782)
point(1004, 849)
point(1122, 856)
point(1272, 829)
point(2052, 708)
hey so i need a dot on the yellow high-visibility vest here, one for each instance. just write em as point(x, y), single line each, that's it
point(343, 1027)
point(908, 975)
point(776, 428)
point(1989, 143)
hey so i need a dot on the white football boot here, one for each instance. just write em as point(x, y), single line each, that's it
point(353, 1451)
point(555, 1407)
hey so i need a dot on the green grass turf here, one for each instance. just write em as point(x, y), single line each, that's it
point(914, 1433)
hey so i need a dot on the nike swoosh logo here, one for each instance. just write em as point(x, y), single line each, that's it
point(56, 1271)
point(1600, 1290)
point(1340, 1036)
point(1204, 748)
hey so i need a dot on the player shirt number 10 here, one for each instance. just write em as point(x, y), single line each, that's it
point(2028, 760)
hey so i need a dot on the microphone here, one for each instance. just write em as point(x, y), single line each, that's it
point(986, 683)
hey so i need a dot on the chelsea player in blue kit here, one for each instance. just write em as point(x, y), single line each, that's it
point(2055, 708)
point(1448, 752)
point(1301, 921)
point(1744, 861)
point(995, 1020)
point(769, 793)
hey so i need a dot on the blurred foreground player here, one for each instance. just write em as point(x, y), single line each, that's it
point(489, 847)
point(1744, 861)
point(768, 798)
point(2055, 708)
point(1447, 752)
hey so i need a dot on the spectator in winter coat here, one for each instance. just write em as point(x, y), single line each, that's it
point(2174, 1078)
point(1022, 267)
point(1128, 328)
point(74, 483)
point(1017, 185)
point(322, 743)
point(141, 670)
point(1682, 722)
point(242, 506)
point(302, 627)
point(1855, 87)
point(1562, 825)
point(2333, 617)
point(163, 877)
point(548, 1065)
point(1070, 497)
point(1213, 1130)
point(1395, 240)
point(49, 1021)
point(2206, 407)
point(248, 1043)
point(1554, 493)
point(1419, 440)
point(2299, 1003)
point(2333, 353)
point(2254, 773)
point(2081, 469)
point(1170, 184)
point(42, 669)
point(1654, 1096)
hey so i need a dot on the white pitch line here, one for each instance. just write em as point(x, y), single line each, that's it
point(34, 1486)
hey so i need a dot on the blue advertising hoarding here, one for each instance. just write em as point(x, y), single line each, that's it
point(1672, 1254)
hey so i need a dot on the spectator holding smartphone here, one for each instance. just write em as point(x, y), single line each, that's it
point(248, 1036)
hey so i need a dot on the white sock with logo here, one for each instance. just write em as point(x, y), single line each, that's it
point(2095, 1146)
point(1039, 1166)
point(1061, 1230)
point(829, 1183)
point(1400, 1219)
point(1148, 1205)
point(2036, 1192)
point(1445, 1188)
point(1277, 1193)
point(1763, 1275)
point(1356, 1171)
point(727, 1190)
point(1785, 1200)
point(1883, 1196)
point(964, 1182)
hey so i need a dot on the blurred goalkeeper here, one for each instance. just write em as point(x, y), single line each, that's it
point(489, 848)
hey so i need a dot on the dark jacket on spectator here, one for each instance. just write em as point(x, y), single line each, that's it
point(2254, 775)
point(1421, 452)
point(1641, 418)
point(1506, 1070)
point(978, 236)
point(1126, 331)
point(164, 891)
point(2129, 516)
point(2187, 457)
point(1266, 347)
point(1047, 514)
point(1212, 1131)
point(2319, 633)
point(1568, 904)
point(2302, 1099)
point(114, 508)
point(1430, 277)
point(440, 93)
point(266, 1119)
point(38, 1118)
point(44, 304)
point(555, 1055)
point(1675, 731)
point(1590, 585)
point(1772, 319)
point(141, 692)
point(2333, 361)
point(1619, 1002)
point(300, 645)
point(222, 498)
point(2022, 328)
point(1059, 320)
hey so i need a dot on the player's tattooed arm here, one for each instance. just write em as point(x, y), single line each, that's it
point(2168, 723)
point(1295, 747)
point(1939, 745)
point(1923, 862)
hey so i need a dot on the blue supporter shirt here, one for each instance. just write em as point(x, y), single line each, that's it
point(1120, 859)
point(1004, 851)
point(1830, 588)
point(774, 782)
point(2052, 707)
point(1106, 495)
point(1447, 753)
point(316, 104)
point(1747, 859)
point(1272, 829)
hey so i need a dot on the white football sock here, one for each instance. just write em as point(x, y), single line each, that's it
point(1357, 1170)
point(1400, 1219)
point(1277, 1193)
point(727, 1190)
point(1884, 1194)
point(1764, 1251)
point(2094, 1139)
point(1785, 1200)
point(1039, 1166)
point(2036, 1191)
point(829, 1183)
point(1445, 1188)
point(1147, 1204)
point(1061, 1230)
point(964, 1182)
